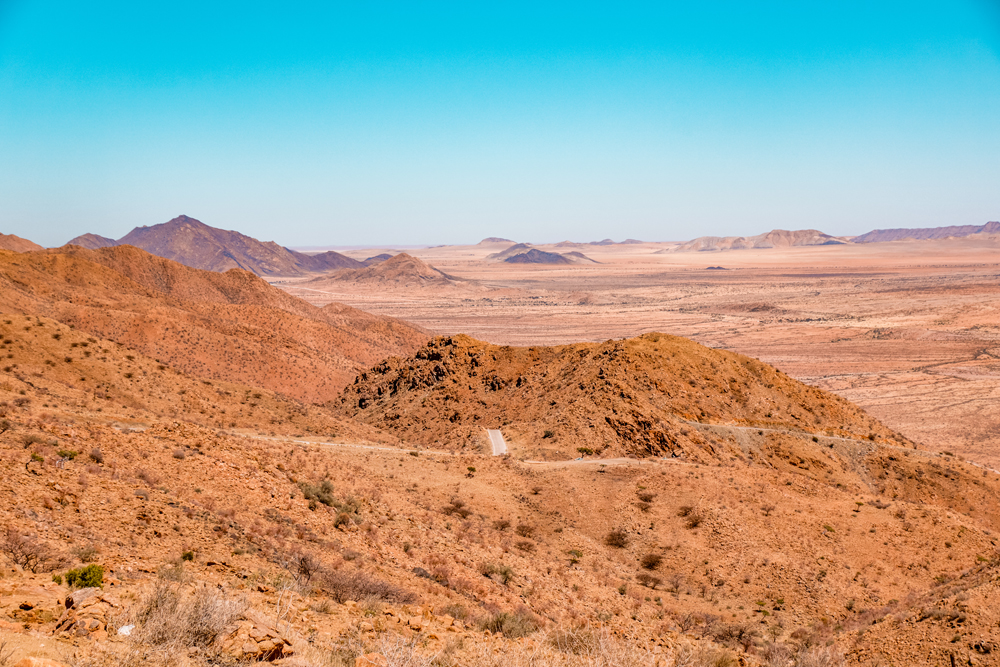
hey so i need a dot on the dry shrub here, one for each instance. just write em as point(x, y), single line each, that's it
point(512, 625)
point(617, 538)
point(704, 656)
point(27, 552)
point(651, 561)
point(525, 530)
point(166, 618)
point(585, 649)
point(823, 656)
point(355, 585)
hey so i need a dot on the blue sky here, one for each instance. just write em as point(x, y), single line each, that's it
point(409, 123)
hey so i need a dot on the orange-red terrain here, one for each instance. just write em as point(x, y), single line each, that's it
point(201, 437)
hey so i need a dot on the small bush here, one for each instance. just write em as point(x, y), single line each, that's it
point(501, 573)
point(651, 561)
point(343, 519)
point(548, 434)
point(646, 496)
point(179, 454)
point(356, 585)
point(96, 456)
point(694, 520)
point(86, 554)
point(91, 576)
point(684, 510)
point(501, 524)
point(187, 555)
point(322, 492)
point(525, 530)
point(511, 625)
point(67, 454)
point(648, 580)
point(525, 545)
point(617, 538)
point(586, 451)
point(57, 578)
point(457, 506)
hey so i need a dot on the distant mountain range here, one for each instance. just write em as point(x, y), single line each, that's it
point(884, 235)
point(195, 244)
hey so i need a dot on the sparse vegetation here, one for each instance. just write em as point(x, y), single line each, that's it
point(651, 561)
point(617, 538)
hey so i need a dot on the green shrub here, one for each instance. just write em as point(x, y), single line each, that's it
point(67, 454)
point(91, 576)
point(187, 555)
point(57, 579)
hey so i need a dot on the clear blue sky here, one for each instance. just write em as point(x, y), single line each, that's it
point(378, 123)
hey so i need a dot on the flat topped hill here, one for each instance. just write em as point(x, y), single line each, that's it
point(397, 271)
point(17, 244)
point(884, 235)
point(776, 238)
point(628, 397)
point(195, 244)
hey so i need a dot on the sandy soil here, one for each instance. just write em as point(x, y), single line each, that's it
point(908, 330)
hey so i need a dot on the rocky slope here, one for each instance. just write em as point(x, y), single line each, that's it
point(224, 326)
point(465, 560)
point(195, 244)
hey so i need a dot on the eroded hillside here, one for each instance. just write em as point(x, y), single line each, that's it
point(642, 396)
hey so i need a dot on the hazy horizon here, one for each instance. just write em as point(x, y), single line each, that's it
point(408, 124)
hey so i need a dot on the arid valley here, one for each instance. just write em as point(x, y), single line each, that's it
point(909, 330)
point(781, 456)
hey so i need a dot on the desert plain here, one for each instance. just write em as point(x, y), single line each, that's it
point(909, 330)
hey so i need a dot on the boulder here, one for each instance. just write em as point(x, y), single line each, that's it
point(255, 639)
point(87, 612)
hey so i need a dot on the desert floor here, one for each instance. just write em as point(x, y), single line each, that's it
point(908, 330)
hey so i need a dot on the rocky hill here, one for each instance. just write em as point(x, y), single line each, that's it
point(523, 253)
point(225, 326)
point(776, 238)
point(920, 234)
point(218, 547)
point(398, 271)
point(93, 241)
point(17, 244)
point(195, 244)
point(643, 396)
